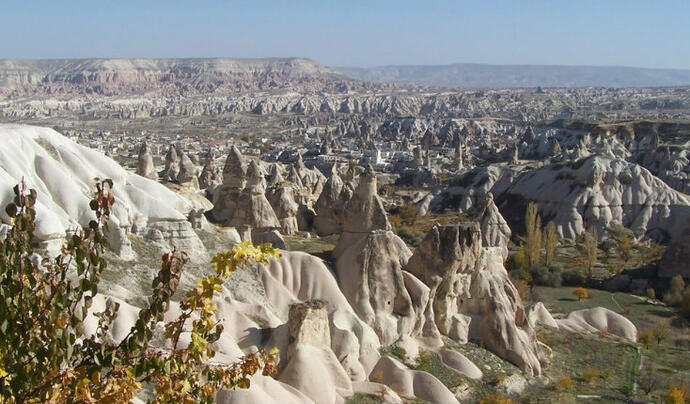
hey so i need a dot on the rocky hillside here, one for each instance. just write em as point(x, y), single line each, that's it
point(164, 77)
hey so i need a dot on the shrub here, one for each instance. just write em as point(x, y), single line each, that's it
point(651, 293)
point(410, 237)
point(395, 221)
point(399, 352)
point(496, 399)
point(46, 357)
point(645, 337)
point(545, 276)
point(675, 395)
point(590, 374)
point(573, 277)
point(409, 215)
point(581, 293)
point(564, 384)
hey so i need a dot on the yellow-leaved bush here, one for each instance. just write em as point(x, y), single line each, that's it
point(46, 358)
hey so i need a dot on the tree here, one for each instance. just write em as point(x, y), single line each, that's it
point(623, 238)
point(645, 337)
point(648, 381)
point(675, 291)
point(660, 332)
point(685, 303)
point(533, 235)
point(550, 243)
point(45, 355)
point(581, 293)
point(625, 248)
point(587, 250)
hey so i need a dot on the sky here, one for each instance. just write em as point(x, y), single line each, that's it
point(642, 33)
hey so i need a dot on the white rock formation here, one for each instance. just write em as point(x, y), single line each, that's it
point(311, 366)
point(538, 314)
point(411, 383)
point(172, 165)
point(602, 191)
point(63, 172)
point(597, 320)
point(472, 296)
point(495, 230)
point(187, 174)
point(330, 207)
point(145, 166)
point(283, 202)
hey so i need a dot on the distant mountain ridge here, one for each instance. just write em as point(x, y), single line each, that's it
point(165, 77)
point(471, 75)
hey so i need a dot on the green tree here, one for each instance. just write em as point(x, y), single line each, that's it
point(675, 291)
point(587, 251)
point(533, 235)
point(46, 358)
point(550, 243)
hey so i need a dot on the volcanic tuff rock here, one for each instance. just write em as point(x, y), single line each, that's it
point(145, 166)
point(597, 320)
point(225, 196)
point(472, 296)
point(330, 207)
point(187, 175)
point(599, 191)
point(253, 209)
point(311, 364)
point(285, 207)
point(172, 165)
point(62, 173)
point(495, 230)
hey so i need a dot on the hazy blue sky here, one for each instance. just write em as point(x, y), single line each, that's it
point(648, 33)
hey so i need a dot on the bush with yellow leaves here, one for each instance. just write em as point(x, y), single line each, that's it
point(46, 358)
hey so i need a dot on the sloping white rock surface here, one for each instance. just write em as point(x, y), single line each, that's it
point(63, 172)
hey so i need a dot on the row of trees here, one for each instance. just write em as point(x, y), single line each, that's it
point(45, 356)
point(539, 244)
point(537, 239)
